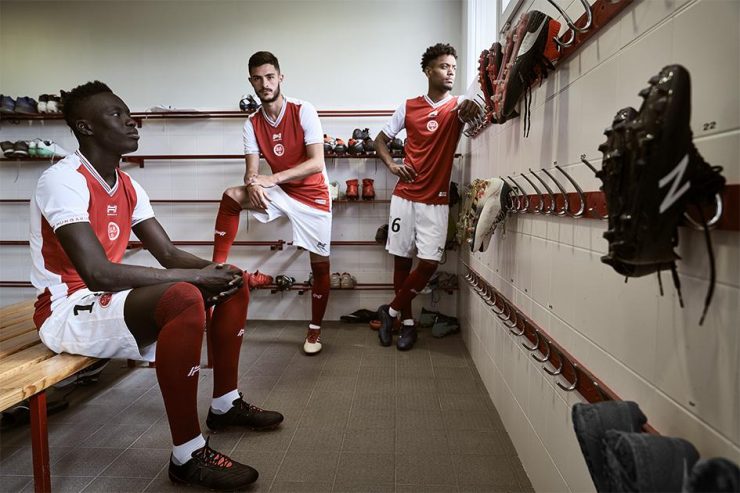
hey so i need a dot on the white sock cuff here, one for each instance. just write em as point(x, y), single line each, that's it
point(392, 312)
point(314, 327)
point(225, 402)
point(408, 321)
point(184, 452)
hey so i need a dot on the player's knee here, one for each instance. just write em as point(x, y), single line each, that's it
point(427, 266)
point(403, 263)
point(178, 298)
point(236, 193)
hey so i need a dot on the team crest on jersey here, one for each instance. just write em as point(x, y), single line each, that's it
point(105, 299)
point(277, 136)
point(432, 125)
point(113, 231)
point(112, 210)
point(279, 150)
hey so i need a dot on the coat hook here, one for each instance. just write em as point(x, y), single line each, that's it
point(541, 202)
point(551, 208)
point(571, 24)
point(559, 369)
point(573, 386)
point(581, 196)
point(536, 342)
point(545, 356)
point(564, 210)
point(522, 194)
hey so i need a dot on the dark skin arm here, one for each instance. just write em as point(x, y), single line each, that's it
point(217, 282)
point(405, 173)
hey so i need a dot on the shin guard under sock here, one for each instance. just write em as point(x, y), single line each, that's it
point(225, 336)
point(180, 314)
point(227, 225)
point(414, 283)
point(401, 271)
point(319, 291)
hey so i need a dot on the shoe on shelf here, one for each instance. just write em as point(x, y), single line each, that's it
point(213, 470)
point(357, 134)
point(312, 344)
point(347, 281)
point(26, 105)
point(340, 147)
point(7, 104)
point(334, 190)
point(335, 280)
point(355, 147)
point(43, 100)
point(381, 235)
point(248, 103)
point(368, 191)
point(53, 104)
point(283, 282)
point(257, 279)
point(7, 147)
point(20, 149)
point(329, 144)
point(352, 192)
point(385, 331)
point(32, 148)
point(369, 145)
point(407, 337)
point(245, 415)
point(49, 149)
point(396, 146)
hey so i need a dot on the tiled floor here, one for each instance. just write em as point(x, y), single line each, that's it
point(358, 418)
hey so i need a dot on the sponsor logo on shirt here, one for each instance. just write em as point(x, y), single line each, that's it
point(442, 194)
point(432, 125)
point(277, 136)
point(105, 299)
point(112, 210)
point(279, 150)
point(113, 231)
point(433, 114)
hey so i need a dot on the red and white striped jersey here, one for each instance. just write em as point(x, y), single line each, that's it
point(283, 144)
point(72, 191)
point(432, 133)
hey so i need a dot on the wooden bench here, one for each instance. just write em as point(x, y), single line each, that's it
point(27, 369)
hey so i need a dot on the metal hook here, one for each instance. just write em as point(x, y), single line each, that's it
point(581, 195)
point(575, 379)
point(712, 222)
point(559, 369)
point(520, 192)
point(512, 311)
point(600, 391)
point(494, 305)
point(513, 195)
point(550, 209)
point(571, 24)
point(521, 332)
point(590, 166)
point(541, 202)
point(546, 356)
point(536, 342)
point(487, 294)
point(564, 210)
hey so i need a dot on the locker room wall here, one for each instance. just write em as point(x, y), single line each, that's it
point(337, 55)
point(643, 346)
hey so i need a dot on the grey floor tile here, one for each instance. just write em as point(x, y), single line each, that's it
point(420, 419)
point(443, 360)
point(454, 373)
point(288, 402)
point(372, 441)
point(310, 467)
point(157, 436)
point(269, 441)
point(375, 372)
point(326, 417)
point(426, 488)
point(115, 435)
point(64, 484)
point(365, 468)
point(299, 487)
point(373, 401)
point(465, 402)
point(117, 485)
point(492, 470)
point(425, 469)
point(310, 437)
point(360, 487)
point(85, 462)
point(411, 442)
point(365, 419)
point(468, 420)
point(88, 413)
point(425, 370)
point(20, 463)
point(477, 442)
point(380, 384)
point(70, 435)
point(458, 386)
point(266, 463)
point(138, 463)
point(415, 401)
point(327, 400)
point(416, 385)
point(12, 484)
point(331, 383)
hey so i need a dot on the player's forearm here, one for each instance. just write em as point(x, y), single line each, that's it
point(180, 259)
point(381, 149)
point(306, 168)
point(114, 277)
point(252, 170)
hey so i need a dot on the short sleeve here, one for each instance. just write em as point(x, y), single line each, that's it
point(312, 132)
point(143, 209)
point(250, 140)
point(62, 197)
point(396, 123)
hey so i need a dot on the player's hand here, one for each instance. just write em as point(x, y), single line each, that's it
point(219, 281)
point(258, 198)
point(405, 173)
point(264, 181)
point(467, 110)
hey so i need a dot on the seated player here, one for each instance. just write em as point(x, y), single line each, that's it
point(89, 303)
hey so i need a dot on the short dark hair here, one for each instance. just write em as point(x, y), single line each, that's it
point(435, 51)
point(262, 58)
point(73, 99)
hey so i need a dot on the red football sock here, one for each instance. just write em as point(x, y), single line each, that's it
point(180, 314)
point(319, 291)
point(401, 271)
point(227, 225)
point(414, 283)
point(225, 336)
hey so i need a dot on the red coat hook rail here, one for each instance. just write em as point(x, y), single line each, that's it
point(556, 360)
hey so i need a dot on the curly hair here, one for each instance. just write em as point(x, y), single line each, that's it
point(263, 58)
point(73, 99)
point(435, 51)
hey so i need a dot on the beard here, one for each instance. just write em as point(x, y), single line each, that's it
point(276, 95)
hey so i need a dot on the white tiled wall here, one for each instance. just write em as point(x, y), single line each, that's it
point(686, 378)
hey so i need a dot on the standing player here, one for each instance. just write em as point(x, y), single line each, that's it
point(288, 134)
point(419, 205)
point(82, 213)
